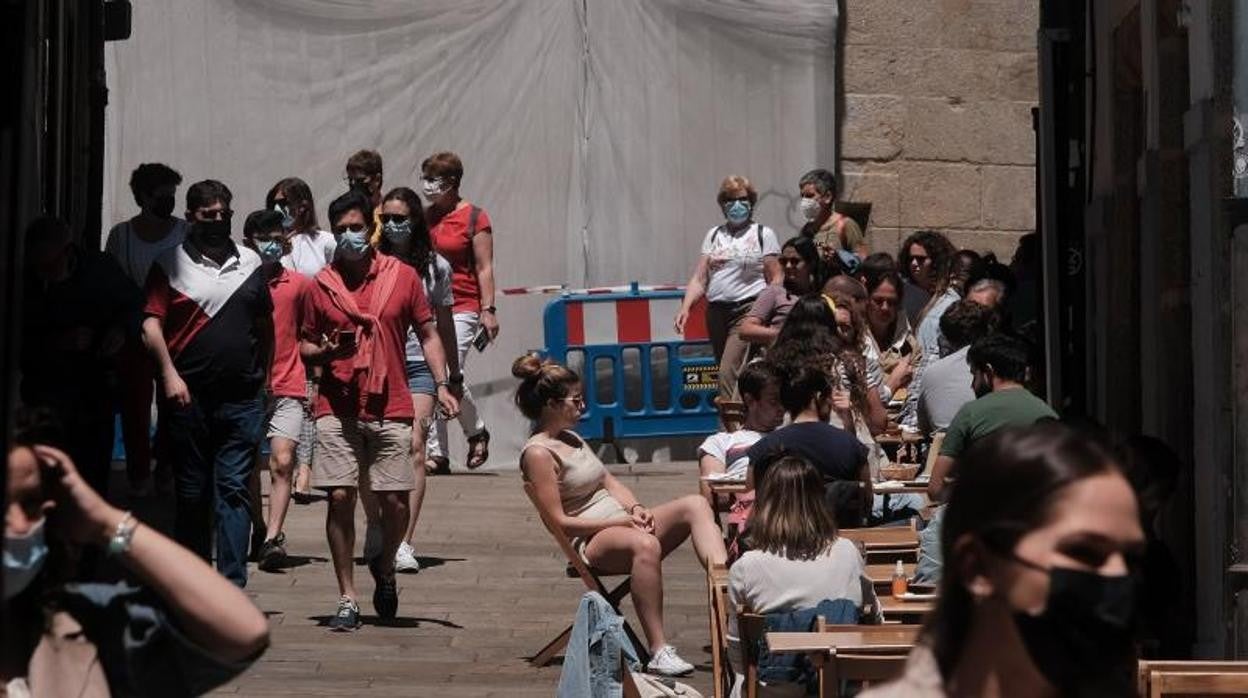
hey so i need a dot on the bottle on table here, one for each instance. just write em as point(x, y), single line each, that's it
point(900, 584)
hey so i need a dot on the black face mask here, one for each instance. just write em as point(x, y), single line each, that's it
point(214, 234)
point(1083, 641)
point(162, 206)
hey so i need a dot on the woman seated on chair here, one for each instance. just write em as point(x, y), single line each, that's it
point(613, 532)
point(796, 560)
point(1037, 598)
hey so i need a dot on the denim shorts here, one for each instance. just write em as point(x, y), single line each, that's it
point(420, 379)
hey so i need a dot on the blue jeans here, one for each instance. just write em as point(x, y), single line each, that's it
point(213, 447)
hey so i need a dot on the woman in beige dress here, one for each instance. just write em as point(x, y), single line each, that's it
point(613, 531)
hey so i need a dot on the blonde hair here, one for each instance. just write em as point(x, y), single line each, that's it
point(541, 381)
point(735, 183)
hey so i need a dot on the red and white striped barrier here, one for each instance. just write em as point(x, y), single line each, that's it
point(632, 320)
point(594, 291)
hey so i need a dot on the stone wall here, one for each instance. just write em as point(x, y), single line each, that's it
point(937, 130)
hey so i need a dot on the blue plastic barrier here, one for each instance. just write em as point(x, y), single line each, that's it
point(640, 378)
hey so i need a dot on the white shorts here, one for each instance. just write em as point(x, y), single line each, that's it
point(286, 418)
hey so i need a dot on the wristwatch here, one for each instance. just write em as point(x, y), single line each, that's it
point(120, 542)
point(490, 309)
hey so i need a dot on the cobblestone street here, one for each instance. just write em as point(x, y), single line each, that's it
point(492, 592)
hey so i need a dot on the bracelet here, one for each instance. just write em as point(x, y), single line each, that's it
point(492, 310)
point(629, 510)
point(123, 535)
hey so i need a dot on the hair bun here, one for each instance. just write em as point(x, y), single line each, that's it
point(527, 366)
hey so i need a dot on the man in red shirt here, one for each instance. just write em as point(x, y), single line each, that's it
point(355, 322)
point(263, 233)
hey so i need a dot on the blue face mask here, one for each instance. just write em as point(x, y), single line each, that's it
point(397, 232)
point(737, 212)
point(23, 559)
point(352, 245)
point(288, 221)
point(269, 250)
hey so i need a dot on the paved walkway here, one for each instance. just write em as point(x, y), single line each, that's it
point(492, 593)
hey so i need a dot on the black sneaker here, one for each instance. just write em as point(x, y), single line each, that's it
point(347, 619)
point(385, 592)
point(273, 553)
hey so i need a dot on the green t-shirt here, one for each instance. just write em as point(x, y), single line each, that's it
point(1012, 407)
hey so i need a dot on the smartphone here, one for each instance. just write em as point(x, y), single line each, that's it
point(346, 338)
point(481, 339)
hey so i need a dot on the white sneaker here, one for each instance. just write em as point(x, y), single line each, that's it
point(405, 559)
point(666, 662)
point(372, 542)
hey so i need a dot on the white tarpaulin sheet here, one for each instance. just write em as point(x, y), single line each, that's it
point(595, 132)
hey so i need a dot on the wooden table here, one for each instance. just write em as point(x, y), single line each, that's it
point(895, 438)
point(870, 637)
point(882, 573)
point(906, 487)
point(719, 487)
point(896, 609)
point(883, 537)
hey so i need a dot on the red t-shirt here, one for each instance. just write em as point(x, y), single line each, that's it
point(341, 390)
point(452, 239)
point(287, 377)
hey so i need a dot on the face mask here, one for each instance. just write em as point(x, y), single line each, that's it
point(737, 212)
point(397, 232)
point(1083, 641)
point(162, 206)
point(810, 208)
point(23, 559)
point(213, 234)
point(288, 221)
point(432, 188)
point(269, 250)
point(353, 245)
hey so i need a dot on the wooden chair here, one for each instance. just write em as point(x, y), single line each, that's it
point(862, 663)
point(592, 581)
point(1147, 669)
point(731, 414)
point(838, 667)
point(717, 601)
point(751, 628)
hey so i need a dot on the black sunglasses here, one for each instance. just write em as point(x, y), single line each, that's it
point(392, 218)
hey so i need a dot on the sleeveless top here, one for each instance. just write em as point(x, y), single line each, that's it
point(580, 476)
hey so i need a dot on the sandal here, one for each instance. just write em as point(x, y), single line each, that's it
point(437, 465)
point(478, 449)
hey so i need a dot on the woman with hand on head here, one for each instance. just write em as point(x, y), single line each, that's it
point(737, 261)
point(181, 629)
point(608, 526)
point(1040, 540)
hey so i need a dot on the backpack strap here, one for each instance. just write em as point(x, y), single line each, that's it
point(473, 216)
point(759, 227)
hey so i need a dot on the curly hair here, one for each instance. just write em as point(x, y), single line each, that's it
point(939, 251)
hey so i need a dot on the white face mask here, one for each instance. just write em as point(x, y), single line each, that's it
point(810, 208)
point(432, 188)
point(23, 559)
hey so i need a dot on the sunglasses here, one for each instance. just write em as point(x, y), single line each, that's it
point(353, 228)
point(392, 218)
point(223, 214)
point(919, 259)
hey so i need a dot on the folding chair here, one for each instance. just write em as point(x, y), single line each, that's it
point(717, 597)
point(1147, 668)
point(592, 582)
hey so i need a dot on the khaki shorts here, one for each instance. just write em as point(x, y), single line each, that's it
point(286, 418)
point(344, 449)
